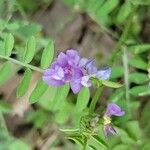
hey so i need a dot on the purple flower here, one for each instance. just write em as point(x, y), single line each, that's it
point(70, 67)
point(65, 69)
point(108, 130)
point(102, 74)
point(112, 110)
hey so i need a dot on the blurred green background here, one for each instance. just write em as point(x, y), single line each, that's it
point(94, 27)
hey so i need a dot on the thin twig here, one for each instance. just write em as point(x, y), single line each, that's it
point(95, 99)
point(126, 78)
point(21, 63)
point(3, 123)
point(85, 143)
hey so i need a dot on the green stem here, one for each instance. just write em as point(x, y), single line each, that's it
point(85, 143)
point(21, 63)
point(123, 38)
point(3, 123)
point(126, 78)
point(95, 99)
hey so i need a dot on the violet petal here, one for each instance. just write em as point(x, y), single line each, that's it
point(75, 86)
point(104, 74)
point(114, 110)
point(53, 82)
point(108, 130)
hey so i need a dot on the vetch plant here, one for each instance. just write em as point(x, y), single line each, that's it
point(106, 108)
point(69, 67)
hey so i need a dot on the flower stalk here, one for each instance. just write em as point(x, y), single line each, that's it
point(21, 63)
point(95, 99)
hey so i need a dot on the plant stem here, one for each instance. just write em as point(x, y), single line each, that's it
point(122, 39)
point(126, 78)
point(85, 143)
point(95, 99)
point(3, 123)
point(21, 63)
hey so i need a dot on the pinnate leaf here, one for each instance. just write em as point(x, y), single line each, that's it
point(5, 72)
point(111, 84)
point(82, 99)
point(29, 50)
point(47, 55)
point(38, 91)
point(9, 44)
point(24, 84)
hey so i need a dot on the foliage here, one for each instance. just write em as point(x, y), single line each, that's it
point(128, 84)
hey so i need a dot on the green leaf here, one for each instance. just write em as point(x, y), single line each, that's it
point(117, 72)
point(27, 30)
point(76, 139)
point(138, 63)
point(100, 141)
point(38, 118)
point(137, 49)
point(9, 44)
point(82, 99)
point(125, 137)
point(29, 50)
point(139, 90)
point(5, 72)
point(138, 2)
point(24, 84)
point(92, 6)
point(121, 147)
point(70, 131)
point(117, 95)
point(70, 2)
point(47, 55)
point(47, 98)
point(124, 12)
point(38, 91)
point(92, 147)
point(108, 6)
point(63, 114)
point(60, 97)
point(133, 130)
point(145, 114)
point(17, 144)
point(2, 49)
point(4, 107)
point(146, 146)
point(138, 78)
point(111, 84)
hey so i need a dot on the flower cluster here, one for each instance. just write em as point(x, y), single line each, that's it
point(112, 110)
point(70, 67)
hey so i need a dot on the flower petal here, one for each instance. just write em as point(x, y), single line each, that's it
point(73, 57)
point(77, 73)
point(91, 67)
point(83, 62)
point(72, 53)
point(62, 59)
point(104, 74)
point(114, 110)
point(75, 86)
point(53, 82)
point(85, 81)
point(108, 130)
